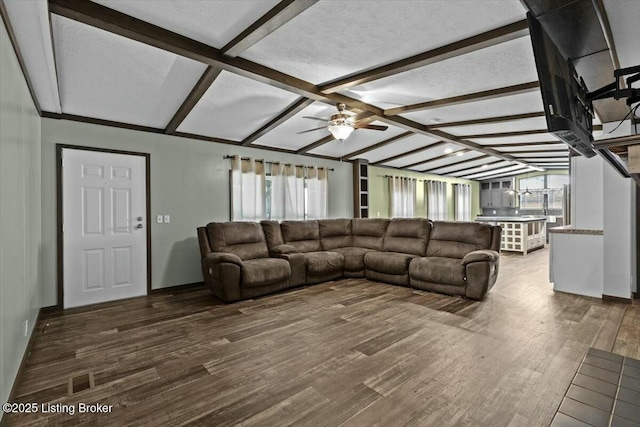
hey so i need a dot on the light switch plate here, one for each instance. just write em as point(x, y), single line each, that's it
point(159, 219)
point(167, 219)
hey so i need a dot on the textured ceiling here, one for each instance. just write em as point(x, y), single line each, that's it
point(334, 38)
point(505, 64)
point(214, 23)
point(234, 107)
point(405, 145)
point(113, 78)
point(515, 104)
point(543, 137)
point(103, 74)
point(507, 126)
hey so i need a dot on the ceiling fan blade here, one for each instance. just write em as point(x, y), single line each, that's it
point(315, 118)
point(372, 127)
point(310, 130)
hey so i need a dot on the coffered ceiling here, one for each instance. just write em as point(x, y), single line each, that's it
point(454, 80)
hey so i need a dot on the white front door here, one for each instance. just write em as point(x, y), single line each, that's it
point(104, 215)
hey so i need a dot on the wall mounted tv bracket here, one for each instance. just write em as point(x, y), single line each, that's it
point(614, 90)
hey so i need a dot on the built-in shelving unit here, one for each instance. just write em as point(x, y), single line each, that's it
point(360, 188)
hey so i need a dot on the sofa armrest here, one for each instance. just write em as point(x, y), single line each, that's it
point(483, 255)
point(298, 263)
point(481, 270)
point(222, 272)
point(220, 257)
point(283, 249)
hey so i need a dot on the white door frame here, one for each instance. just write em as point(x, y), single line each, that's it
point(59, 213)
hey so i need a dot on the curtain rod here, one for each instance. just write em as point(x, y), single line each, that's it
point(407, 177)
point(423, 180)
point(277, 163)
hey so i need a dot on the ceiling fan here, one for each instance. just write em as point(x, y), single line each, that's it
point(342, 124)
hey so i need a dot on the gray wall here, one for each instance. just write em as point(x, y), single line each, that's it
point(189, 181)
point(20, 237)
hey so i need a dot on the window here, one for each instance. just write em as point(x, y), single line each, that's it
point(402, 197)
point(533, 183)
point(436, 200)
point(535, 200)
point(286, 192)
point(556, 196)
point(557, 181)
point(545, 190)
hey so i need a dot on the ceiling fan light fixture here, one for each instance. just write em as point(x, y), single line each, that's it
point(340, 131)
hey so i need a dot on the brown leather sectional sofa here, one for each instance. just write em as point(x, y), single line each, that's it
point(242, 260)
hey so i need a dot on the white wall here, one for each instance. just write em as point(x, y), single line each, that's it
point(189, 181)
point(619, 208)
point(619, 238)
point(603, 200)
point(587, 192)
point(576, 264)
point(20, 237)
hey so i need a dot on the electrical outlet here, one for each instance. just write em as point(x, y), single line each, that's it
point(378, 213)
point(167, 219)
point(26, 328)
point(159, 219)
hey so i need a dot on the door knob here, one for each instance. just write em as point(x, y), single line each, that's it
point(139, 226)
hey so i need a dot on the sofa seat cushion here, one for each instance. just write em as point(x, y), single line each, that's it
point(264, 271)
point(388, 262)
point(353, 257)
point(448, 271)
point(324, 262)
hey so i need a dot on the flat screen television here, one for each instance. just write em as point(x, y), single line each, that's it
point(569, 114)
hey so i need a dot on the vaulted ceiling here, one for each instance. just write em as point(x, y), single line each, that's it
point(454, 80)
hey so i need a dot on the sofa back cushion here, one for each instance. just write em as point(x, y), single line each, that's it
point(369, 232)
point(245, 239)
point(272, 233)
point(303, 235)
point(335, 233)
point(456, 239)
point(408, 235)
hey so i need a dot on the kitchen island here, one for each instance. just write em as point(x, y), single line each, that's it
point(519, 233)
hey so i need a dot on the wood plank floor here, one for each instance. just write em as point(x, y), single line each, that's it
point(628, 339)
point(349, 352)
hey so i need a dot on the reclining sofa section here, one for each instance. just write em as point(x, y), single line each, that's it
point(242, 260)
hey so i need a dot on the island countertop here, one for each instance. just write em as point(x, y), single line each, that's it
point(569, 229)
point(510, 219)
